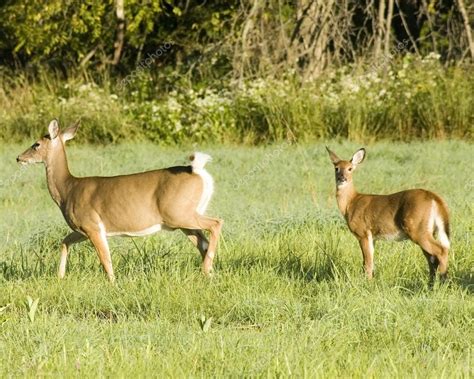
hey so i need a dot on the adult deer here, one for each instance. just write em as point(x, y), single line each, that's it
point(127, 205)
point(414, 214)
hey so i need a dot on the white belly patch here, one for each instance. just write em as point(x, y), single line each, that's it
point(139, 233)
point(398, 236)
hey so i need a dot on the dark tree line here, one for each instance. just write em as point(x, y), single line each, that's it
point(229, 38)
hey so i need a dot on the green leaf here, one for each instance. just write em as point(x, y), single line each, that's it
point(205, 323)
point(32, 306)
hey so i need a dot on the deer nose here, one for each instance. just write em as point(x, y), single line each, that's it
point(18, 159)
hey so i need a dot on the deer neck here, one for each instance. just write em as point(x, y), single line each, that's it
point(344, 195)
point(58, 175)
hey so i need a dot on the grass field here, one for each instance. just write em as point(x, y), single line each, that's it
point(288, 296)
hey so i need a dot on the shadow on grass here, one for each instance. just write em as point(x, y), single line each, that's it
point(38, 260)
point(290, 267)
point(24, 265)
point(465, 280)
point(323, 268)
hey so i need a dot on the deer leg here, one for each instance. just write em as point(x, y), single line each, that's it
point(198, 239)
point(433, 264)
point(70, 239)
point(101, 245)
point(438, 252)
point(213, 226)
point(367, 246)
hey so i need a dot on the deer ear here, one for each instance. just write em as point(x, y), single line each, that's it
point(53, 129)
point(358, 157)
point(70, 131)
point(334, 158)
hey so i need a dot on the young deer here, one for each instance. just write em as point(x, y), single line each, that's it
point(414, 214)
point(127, 205)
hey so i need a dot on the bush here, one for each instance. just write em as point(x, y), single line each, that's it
point(414, 98)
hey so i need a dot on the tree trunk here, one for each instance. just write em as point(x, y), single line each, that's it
point(388, 28)
point(380, 29)
point(467, 27)
point(118, 45)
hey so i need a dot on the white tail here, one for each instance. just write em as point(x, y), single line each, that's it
point(198, 161)
point(127, 205)
point(440, 226)
point(415, 214)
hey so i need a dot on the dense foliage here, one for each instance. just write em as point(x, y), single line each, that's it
point(77, 34)
point(254, 70)
point(227, 37)
point(415, 98)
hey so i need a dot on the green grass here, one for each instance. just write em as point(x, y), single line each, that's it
point(288, 296)
point(412, 99)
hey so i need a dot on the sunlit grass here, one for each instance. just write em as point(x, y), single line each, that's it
point(412, 98)
point(288, 296)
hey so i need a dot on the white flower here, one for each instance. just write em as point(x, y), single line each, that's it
point(433, 56)
point(352, 87)
point(173, 104)
point(86, 87)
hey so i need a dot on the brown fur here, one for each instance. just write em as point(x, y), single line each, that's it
point(96, 206)
point(408, 214)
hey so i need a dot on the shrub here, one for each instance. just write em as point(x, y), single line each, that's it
point(413, 98)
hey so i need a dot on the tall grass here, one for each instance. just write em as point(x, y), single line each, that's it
point(288, 296)
point(411, 99)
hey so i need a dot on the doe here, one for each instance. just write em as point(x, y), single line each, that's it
point(414, 214)
point(127, 205)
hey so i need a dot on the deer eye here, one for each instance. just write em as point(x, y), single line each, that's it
point(350, 169)
point(36, 146)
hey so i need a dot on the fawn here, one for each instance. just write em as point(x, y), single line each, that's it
point(414, 214)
